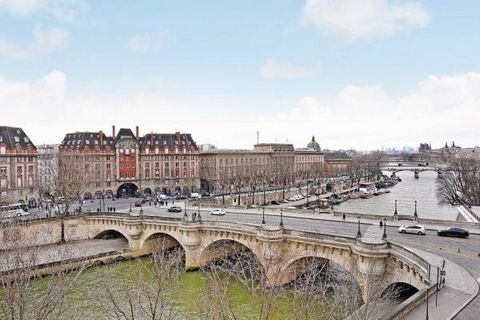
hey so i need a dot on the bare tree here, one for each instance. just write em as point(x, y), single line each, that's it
point(26, 294)
point(151, 293)
point(461, 184)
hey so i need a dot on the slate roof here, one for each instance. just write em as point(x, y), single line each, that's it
point(337, 155)
point(167, 140)
point(82, 139)
point(11, 136)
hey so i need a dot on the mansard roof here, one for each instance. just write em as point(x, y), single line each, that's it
point(179, 140)
point(86, 139)
point(124, 133)
point(12, 136)
point(337, 155)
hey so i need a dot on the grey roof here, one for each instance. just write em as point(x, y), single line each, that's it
point(12, 136)
point(336, 155)
point(82, 139)
point(168, 140)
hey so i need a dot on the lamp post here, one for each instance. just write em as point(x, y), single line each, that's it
point(415, 214)
point(395, 213)
point(281, 218)
point(185, 216)
point(263, 215)
point(199, 216)
point(384, 237)
point(359, 233)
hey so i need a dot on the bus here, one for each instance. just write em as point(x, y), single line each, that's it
point(13, 210)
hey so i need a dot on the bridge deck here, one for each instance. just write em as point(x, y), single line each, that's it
point(373, 235)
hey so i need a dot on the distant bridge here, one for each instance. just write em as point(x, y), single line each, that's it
point(416, 169)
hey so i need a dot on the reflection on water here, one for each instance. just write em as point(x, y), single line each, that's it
point(406, 192)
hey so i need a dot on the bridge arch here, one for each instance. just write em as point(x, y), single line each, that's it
point(166, 238)
point(398, 291)
point(225, 246)
point(112, 233)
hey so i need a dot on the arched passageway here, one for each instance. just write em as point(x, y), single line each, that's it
point(233, 258)
point(398, 292)
point(147, 192)
point(113, 235)
point(127, 190)
point(164, 246)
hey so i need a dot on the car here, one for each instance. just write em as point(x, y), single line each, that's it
point(175, 209)
point(283, 201)
point(292, 199)
point(138, 203)
point(453, 232)
point(274, 202)
point(218, 212)
point(415, 229)
point(195, 195)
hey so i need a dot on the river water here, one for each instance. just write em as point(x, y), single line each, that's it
point(406, 192)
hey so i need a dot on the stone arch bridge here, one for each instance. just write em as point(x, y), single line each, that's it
point(416, 170)
point(277, 249)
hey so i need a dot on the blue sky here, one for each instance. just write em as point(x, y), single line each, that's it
point(354, 73)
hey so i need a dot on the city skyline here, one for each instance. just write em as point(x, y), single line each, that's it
point(289, 69)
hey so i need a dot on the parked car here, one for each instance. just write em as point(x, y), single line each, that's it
point(453, 232)
point(274, 202)
point(415, 229)
point(283, 201)
point(292, 198)
point(195, 195)
point(175, 209)
point(218, 212)
point(138, 203)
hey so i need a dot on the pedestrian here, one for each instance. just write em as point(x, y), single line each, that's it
point(381, 223)
point(113, 209)
point(343, 217)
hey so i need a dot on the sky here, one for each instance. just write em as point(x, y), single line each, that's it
point(363, 74)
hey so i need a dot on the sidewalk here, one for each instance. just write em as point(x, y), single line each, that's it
point(460, 288)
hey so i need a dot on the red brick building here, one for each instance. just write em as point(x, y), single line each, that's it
point(18, 165)
point(126, 163)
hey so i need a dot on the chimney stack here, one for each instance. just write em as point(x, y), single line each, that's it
point(113, 131)
point(100, 137)
point(137, 132)
point(177, 137)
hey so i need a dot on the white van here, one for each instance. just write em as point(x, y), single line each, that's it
point(195, 195)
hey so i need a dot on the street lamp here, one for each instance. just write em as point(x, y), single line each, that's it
point(185, 216)
point(415, 214)
point(384, 237)
point(395, 213)
point(263, 215)
point(359, 233)
point(199, 216)
point(281, 218)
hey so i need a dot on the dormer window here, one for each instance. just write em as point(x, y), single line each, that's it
point(87, 141)
point(18, 131)
point(96, 141)
point(26, 140)
point(17, 139)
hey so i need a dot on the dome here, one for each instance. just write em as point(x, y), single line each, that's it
point(313, 145)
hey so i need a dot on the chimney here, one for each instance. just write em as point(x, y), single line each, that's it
point(151, 138)
point(177, 137)
point(137, 132)
point(100, 137)
point(113, 131)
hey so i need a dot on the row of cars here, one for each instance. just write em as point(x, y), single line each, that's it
point(447, 232)
point(215, 212)
point(294, 198)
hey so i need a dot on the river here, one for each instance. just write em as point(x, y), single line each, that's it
point(406, 192)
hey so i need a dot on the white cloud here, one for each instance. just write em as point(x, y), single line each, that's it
point(63, 10)
point(45, 41)
point(274, 69)
point(439, 108)
point(364, 20)
point(146, 42)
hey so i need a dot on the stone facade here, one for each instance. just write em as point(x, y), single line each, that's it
point(18, 165)
point(126, 163)
point(47, 161)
